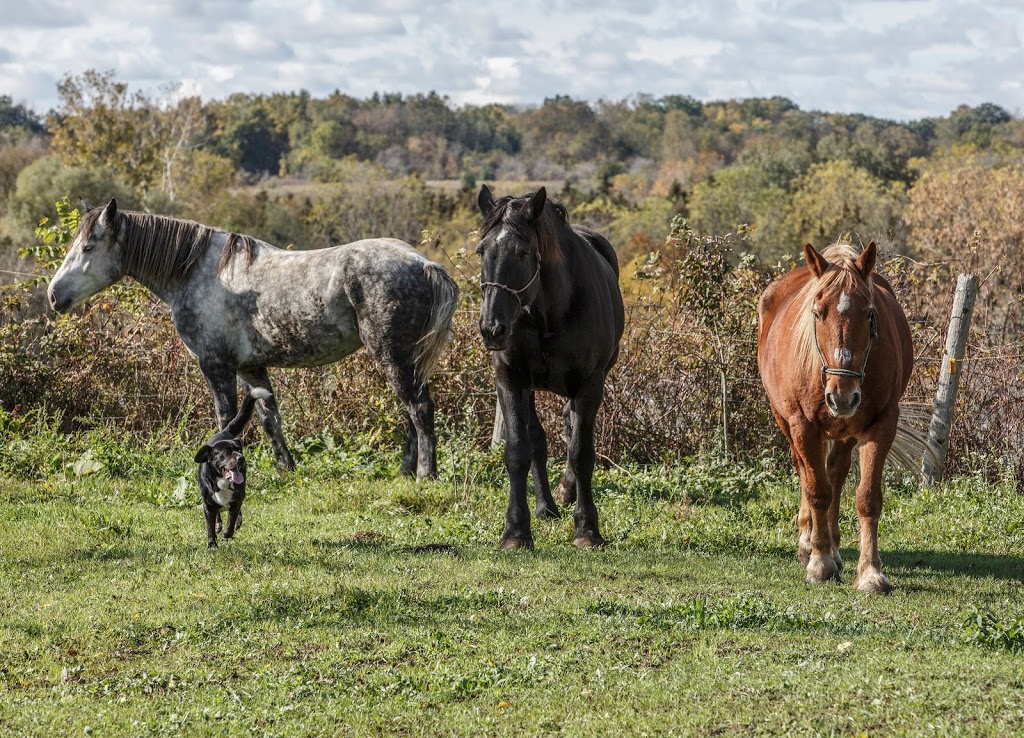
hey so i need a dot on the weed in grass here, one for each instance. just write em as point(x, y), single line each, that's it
point(980, 626)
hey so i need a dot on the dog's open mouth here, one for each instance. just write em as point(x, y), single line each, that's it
point(234, 475)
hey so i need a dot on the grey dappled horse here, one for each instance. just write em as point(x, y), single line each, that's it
point(241, 305)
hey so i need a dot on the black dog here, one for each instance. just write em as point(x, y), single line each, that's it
point(221, 472)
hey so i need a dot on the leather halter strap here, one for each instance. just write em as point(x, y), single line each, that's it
point(515, 293)
point(826, 369)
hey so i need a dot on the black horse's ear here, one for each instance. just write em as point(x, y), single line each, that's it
point(203, 454)
point(109, 215)
point(865, 263)
point(535, 206)
point(815, 261)
point(485, 201)
point(86, 205)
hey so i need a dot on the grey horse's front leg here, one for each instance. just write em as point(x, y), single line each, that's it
point(220, 378)
point(270, 417)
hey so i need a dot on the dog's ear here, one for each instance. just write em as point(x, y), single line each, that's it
point(203, 454)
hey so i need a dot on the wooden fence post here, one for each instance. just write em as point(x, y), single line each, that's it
point(498, 434)
point(949, 378)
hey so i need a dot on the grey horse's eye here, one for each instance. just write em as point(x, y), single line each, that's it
point(88, 246)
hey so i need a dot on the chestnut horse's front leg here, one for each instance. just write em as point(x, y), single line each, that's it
point(873, 450)
point(817, 494)
point(518, 457)
point(838, 467)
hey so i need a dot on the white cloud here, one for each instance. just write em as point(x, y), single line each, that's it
point(895, 58)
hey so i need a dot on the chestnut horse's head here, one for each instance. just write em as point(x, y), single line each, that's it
point(840, 321)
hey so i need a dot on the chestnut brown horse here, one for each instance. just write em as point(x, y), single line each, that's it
point(835, 355)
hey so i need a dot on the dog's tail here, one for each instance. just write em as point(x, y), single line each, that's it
point(237, 425)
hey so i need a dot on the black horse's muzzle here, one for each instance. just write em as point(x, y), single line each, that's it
point(495, 334)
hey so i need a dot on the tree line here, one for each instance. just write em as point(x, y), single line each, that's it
point(304, 171)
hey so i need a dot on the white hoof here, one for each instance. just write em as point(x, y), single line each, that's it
point(821, 568)
point(873, 582)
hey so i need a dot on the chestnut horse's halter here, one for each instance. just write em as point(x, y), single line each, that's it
point(826, 369)
point(515, 293)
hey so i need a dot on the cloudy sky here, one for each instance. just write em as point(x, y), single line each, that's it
point(896, 59)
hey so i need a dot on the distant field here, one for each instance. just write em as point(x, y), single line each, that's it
point(302, 188)
point(357, 604)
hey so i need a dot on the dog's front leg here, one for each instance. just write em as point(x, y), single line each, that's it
point(234, 516)
point(212, 525)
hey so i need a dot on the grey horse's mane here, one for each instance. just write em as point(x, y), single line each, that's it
point(159, 248)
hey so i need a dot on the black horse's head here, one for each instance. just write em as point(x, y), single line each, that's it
point(516, 237)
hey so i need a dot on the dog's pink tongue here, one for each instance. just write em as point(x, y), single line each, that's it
point(237, 477)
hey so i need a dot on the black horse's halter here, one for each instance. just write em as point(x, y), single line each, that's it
point(515, 293)
point(826, 369)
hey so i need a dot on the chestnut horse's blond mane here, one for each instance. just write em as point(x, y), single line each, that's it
point(841, 275)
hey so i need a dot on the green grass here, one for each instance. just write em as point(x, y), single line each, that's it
point(353, 603)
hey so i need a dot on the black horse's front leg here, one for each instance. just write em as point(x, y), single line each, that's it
point(515, 408)
point(582, 458)
point(546, 507)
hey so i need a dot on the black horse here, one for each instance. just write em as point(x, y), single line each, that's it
point(552, 316)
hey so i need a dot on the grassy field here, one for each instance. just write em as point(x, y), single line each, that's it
point(353, 603)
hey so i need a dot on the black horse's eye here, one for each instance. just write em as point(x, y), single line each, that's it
point(522, 255)
point(479, 250)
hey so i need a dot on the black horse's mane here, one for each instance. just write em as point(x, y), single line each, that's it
point(509, 212)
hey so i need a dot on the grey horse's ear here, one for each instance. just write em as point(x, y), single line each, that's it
point(203, 454)
point(86, 205)
point(485, 201)
point(109, 214)
point(535, 206)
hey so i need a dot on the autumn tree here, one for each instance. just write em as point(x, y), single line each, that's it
point(966, 211)
point(101, 123)
point(836, 199)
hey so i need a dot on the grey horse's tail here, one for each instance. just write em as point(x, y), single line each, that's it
point(910, 447)
point(444, 300)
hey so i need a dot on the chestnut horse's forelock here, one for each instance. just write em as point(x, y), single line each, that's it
point(509, 212)
point(842, 274)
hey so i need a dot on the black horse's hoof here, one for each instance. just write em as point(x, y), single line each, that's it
point(588, 540)
point(516, 543)
point(565, 493)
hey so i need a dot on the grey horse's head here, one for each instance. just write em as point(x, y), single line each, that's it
point(93, 261)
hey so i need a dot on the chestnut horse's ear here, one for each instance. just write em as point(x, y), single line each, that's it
point(815, 261)
point(535, 206)
point(865, 263)
point(109, 215)
point(485, 201)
